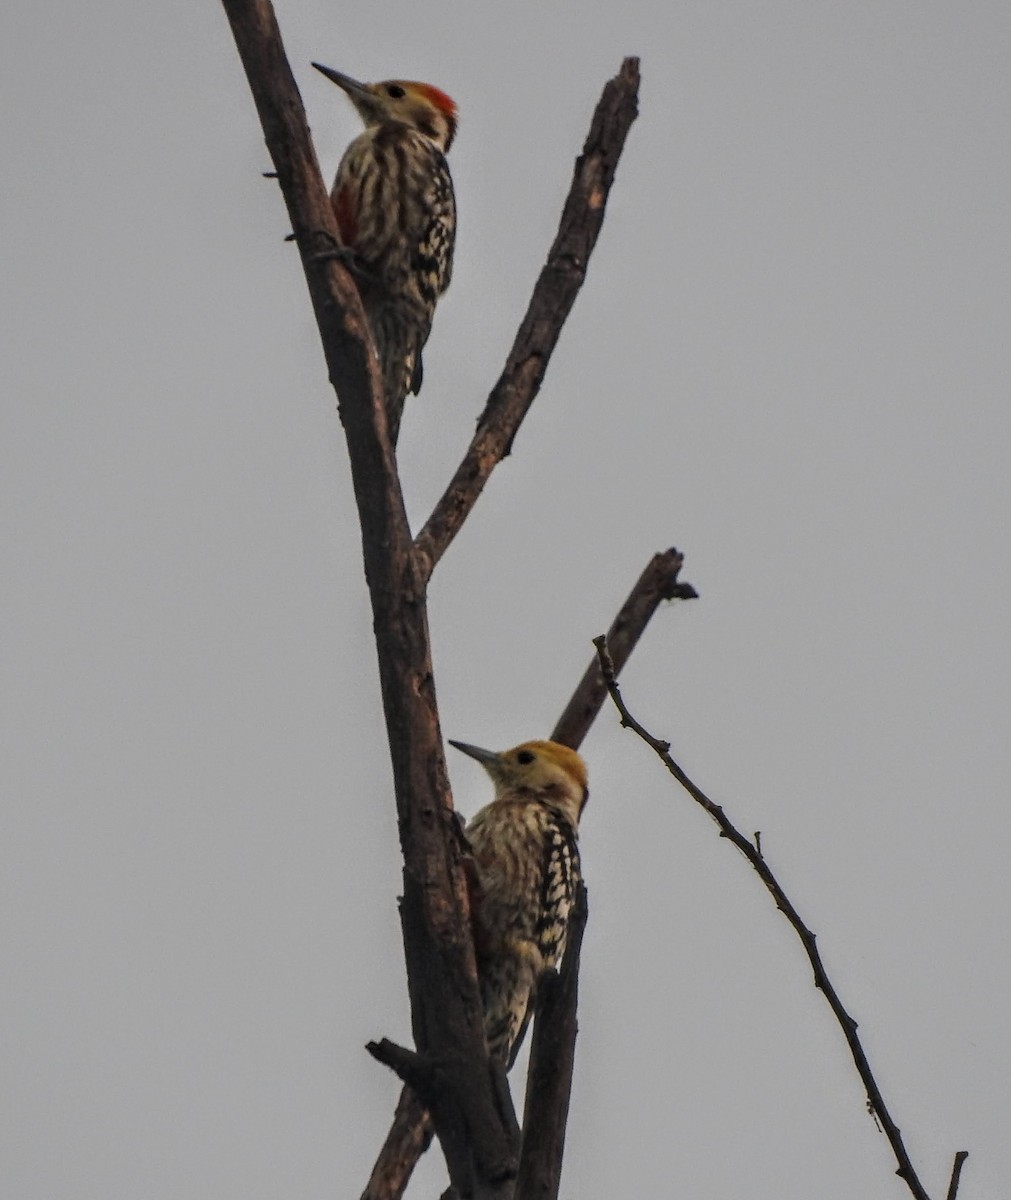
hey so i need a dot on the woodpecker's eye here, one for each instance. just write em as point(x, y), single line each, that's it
point(396, 91)
point(524, 757)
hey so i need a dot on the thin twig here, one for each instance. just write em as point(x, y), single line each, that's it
point(754, 856)
point(550, 304)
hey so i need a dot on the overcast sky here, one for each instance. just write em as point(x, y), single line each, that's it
point(790, 359)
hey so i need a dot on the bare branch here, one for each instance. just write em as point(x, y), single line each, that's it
point(754, 855)
point(343, 326)
point(658, 582)
point(413, 1068)
point(956, 1171)
point(410, 1134)
point(448, 1094)
point(409, 1137)
point(442, 977)
point(549, 1080)
point(552, 300)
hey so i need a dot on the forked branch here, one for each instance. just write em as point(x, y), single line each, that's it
point(752, 851)
point(550, 305)
point(449, 1069)
point(658, 582)
point(476, 1135)
point(411, 1131)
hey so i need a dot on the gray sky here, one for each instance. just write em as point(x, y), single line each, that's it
point(790, 359)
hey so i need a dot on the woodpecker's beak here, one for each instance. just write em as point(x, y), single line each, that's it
point(487, 758)
point(357, 91)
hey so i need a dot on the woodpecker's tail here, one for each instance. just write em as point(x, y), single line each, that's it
point(399, 343)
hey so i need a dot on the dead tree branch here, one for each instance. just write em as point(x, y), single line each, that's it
point(752, 851)
point(549, 1079)
point(339, 313)
point(956, 1172)
point(446, 1015)
point(657, 583)
point(411, 1131)
point(449, 1070)
point(550, 305)
point(409, 1137)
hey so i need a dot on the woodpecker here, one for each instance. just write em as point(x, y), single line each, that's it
point(396, 212)
point(526, 870)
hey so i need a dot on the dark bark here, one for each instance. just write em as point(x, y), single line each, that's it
point(409, 1135)
point(554, 294)
point(956, 1173)
point(549, 1079)
point(448, 1072)
point(442, 979)
point(657, 583)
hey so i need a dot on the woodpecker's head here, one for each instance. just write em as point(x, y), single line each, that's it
point(544, 769)
point(417, 105)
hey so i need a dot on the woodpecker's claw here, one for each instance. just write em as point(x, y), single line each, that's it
point(340, 253)
point(345, 255)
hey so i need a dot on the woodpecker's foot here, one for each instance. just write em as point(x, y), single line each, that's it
point(345, 255)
